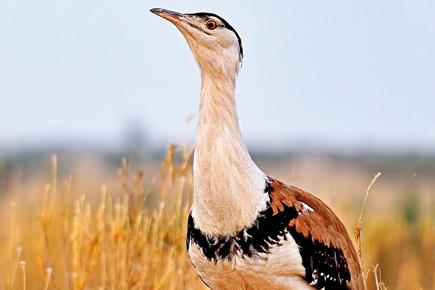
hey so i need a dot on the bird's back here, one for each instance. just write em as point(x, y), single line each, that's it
point(296, 243)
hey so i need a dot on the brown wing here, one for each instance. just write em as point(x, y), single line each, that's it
point(328, 255)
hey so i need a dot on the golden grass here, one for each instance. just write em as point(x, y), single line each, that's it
point(133, 236)
point(357, 231)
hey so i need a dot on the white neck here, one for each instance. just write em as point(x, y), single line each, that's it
point(228, 185)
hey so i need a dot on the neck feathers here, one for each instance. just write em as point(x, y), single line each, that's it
point(228, 186)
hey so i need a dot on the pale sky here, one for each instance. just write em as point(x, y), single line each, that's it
point(345, 73)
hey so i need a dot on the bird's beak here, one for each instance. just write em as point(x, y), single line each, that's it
point(171, 16)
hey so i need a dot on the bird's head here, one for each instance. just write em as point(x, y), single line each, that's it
point(214, 42)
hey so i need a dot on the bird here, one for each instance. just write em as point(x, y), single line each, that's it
point(247, 230)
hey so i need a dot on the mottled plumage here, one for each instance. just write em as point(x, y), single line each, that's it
point(293, 219)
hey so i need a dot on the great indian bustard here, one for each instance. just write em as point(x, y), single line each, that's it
point(247, 230)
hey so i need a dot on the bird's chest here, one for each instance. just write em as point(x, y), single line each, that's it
point(232, 269)
point(223, 274)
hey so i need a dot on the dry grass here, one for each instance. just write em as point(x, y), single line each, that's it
point(132, 236)
point(69, 241)
point(358, 232)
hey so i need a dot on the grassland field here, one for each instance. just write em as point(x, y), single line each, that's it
point(95, 227)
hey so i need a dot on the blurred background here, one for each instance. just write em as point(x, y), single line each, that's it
point(330, 93)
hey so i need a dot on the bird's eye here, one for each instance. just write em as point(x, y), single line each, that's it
point(211, 24)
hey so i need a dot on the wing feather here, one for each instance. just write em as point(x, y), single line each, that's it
point(328, 255)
